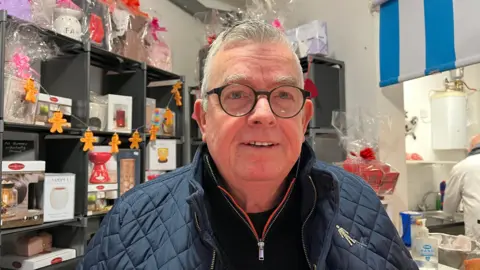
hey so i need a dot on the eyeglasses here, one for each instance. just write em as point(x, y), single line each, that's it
point(238, 100)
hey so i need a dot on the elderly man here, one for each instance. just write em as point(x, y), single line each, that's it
point(254, 196)
point(464, 185)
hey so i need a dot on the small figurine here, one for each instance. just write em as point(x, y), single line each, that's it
point(153, 132)
point(88, 140)
point(176, 93)
point(30, 91)
point(135, 139)
point(114, 143)
point(57, 122)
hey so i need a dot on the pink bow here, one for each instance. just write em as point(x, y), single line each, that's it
point(156, 28)
point(22, 64)
point(277, 24)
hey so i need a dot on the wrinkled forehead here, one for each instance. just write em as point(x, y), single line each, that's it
point(258, 65)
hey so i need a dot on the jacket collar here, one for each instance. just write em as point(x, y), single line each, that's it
point(321, 200)
point(475, 150)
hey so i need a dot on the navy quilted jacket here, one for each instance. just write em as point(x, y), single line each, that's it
point(163, 224)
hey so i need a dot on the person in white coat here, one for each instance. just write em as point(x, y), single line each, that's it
point(464, 185)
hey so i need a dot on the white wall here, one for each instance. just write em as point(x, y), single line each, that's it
point(427, 177)
point(185, 36)
point(353, 38)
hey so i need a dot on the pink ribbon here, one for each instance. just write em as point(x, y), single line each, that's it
point(156, 28)
point(22, 64)
point(277, 24)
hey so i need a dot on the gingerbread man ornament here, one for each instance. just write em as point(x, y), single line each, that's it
point(114, 143)
point(57, 122)
point(135, 140)
point(88, 140)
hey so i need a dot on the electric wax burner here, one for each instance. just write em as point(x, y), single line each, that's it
point(99, 172)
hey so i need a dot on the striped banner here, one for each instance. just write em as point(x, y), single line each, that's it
point(421, 37)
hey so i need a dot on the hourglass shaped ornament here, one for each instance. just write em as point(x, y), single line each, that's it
point(67, 22)
point(99, 172)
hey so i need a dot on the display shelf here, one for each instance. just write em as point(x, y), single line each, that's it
point(41, 226)
point(65, 265)
point(71, 75)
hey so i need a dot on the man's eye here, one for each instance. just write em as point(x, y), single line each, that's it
point(285, 95)
point(236, 95)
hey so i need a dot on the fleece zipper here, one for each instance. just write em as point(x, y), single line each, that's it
point(246, 219)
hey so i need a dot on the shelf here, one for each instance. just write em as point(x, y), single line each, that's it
point(423, 162)
point(102, 58)
point(40, 227)
point(154, 74)
point(73, 133)
point(64, 43)
point(65, 265)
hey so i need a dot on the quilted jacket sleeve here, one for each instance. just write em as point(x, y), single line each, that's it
point(106, 250)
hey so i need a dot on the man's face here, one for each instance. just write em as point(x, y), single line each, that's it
point(262, 67)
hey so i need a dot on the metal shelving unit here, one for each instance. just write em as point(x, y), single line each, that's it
point(69, 75)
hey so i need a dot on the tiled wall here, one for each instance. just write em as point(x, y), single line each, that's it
point(422, 178)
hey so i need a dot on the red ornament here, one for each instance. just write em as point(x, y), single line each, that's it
point(211, 39)
point(96, 29)
point(368, 154)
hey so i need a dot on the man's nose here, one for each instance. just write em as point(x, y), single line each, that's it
point(262, 114)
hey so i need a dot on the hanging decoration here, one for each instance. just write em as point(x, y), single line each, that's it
point(153, 132)
point(30, 91)
point(135, 140)
point(176, 93)
point(88, 140)
point(57, 122)
point(114, 143)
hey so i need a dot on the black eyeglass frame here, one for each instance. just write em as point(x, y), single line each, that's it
point(219, 90)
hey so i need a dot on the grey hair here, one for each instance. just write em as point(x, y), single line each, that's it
point(249, 30)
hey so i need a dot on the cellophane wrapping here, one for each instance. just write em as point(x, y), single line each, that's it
point(274, 12)
point(129, 25)
point(98, 22)
point(359, 133)
point(159, 54)
point(23, 48)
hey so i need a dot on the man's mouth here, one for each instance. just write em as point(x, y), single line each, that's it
point(261, 144)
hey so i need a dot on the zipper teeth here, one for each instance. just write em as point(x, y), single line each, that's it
point(264, 236)
point(305, 222)
point(231, 205)
point(196, 222)
point(212, 264)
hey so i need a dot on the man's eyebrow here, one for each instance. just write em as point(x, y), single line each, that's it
point(234, 78)
point(286, 80)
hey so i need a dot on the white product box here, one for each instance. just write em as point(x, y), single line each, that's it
point(162, 155)
point(119, 114)
point(38, 261)
point(59, 196)
point(310, 38)
point(48, 104)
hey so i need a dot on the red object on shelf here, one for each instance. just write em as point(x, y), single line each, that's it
point(96, 29)
point(99, 172)
point(379, 175)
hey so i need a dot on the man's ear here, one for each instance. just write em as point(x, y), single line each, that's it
point(307, 114)
point(200, 116)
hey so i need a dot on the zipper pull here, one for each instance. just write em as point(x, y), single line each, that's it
point(261, 249)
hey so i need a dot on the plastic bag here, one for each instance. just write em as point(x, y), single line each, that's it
point(23, 47)
point(359, 135)
point(21, 9)
point(159, 53)
point(271, 11)
point(129, 26)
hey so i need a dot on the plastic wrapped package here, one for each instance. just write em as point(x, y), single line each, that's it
point(159, 54)
point(129, 26)
point(23, 47)
point(270, 11)
point(359, 135)
point(213, 22)
point(98, 22)
point(310, 38)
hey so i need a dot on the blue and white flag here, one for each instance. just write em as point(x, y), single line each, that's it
point(421, 37)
